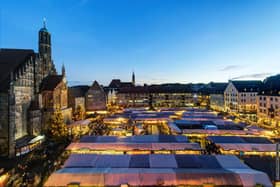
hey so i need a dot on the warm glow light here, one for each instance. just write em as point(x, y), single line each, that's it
point(4, 178)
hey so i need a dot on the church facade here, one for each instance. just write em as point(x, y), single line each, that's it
point(22, 73)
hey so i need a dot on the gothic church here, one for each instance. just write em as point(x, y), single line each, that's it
point(23, 72)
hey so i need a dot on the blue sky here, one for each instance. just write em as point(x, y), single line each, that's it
point(161, 40)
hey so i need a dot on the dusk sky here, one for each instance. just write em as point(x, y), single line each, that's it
point(161, 40)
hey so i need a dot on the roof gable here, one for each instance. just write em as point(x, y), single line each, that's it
point(247, 86)
point(51, 82)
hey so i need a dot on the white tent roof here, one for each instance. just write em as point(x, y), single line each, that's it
point(142, 170)
point(122, 146)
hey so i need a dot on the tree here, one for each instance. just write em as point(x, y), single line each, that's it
point(57, 129)
point(99, 129)
point(79, 113)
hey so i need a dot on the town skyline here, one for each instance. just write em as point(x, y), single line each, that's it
point(139, 93)
point(230, 41)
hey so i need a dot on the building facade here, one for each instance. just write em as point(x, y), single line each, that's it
point(114, 87)
point(241, 98)
point(76, 96)
point(133, 97)
point(216, 96)
point(268, 103)
point(165, 95)
point(54, 94)
point(95, 98)
point(21, 74)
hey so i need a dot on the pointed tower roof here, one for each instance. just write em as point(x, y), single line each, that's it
point(63, 72)
point(44, 28)
point(133, 78)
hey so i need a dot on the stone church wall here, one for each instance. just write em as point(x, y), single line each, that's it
point(35, 122)
point(3, 124)
point(23, 96)
point(24, 93)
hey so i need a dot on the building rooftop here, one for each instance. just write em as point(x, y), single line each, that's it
point(247, 86)
point(116, 84)
point(78, 91)
point(157, 169)
point(201, 123)
point(135, 139)
point(239, 139)
point(271, 86)
point(10, 60)
point(122, 147)
point(213, 88)
point(243, 144)
point(51, 82)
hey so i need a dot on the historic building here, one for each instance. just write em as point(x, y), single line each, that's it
point(171, 95)
point(164, 95)
point(241, 98)
point(268, 103)
point(137, 96)
point(115, 86)
point(76, 97)
point(95, 98)
point(127, 94)
point(216, 95)
point(21, 74)
point(54, 94)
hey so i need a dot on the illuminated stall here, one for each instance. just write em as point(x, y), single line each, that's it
point(156, 170)
point(147, 144)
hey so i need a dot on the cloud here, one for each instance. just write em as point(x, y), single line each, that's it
point(230, 67)
point(253, 76)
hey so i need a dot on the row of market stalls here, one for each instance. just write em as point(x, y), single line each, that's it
point(234, 145)
point(166, 160)
point(26, 144)
point(146, 144)
point(189, 122)
point(156, 170)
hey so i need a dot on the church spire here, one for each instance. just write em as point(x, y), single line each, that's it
point(133, 78)
point(63, 72)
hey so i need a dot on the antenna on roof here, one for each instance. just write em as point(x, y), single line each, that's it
point(44, 22)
